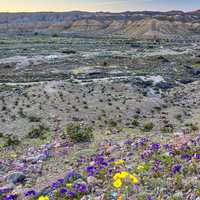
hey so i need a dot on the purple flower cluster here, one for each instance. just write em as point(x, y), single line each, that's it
point(30, 193)
point(72, 176)
point(11, 197)
point(176, 169)
point(155, 146)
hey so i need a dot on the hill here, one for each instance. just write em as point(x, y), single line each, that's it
point(142, 25)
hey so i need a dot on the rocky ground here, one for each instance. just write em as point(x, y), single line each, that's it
point(134, 113)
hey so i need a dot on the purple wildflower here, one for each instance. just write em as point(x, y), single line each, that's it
point(197, 156)
point(57, 184)
point(63, 190)
point(176, 169)
point(143, 141)
point(90, 170)
point(186, 157)
point(30, 193)
point(155, 146)
point(10, 197)
point(82, 188)
point(71, 194)
point(99, 160)
point(72, 176)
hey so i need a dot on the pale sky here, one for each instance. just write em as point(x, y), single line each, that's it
point(97, 5)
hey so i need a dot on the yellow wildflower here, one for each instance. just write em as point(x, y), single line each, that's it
point(13, 155)
point(134, 179)
point(117, 183)
point(124, 174)
point(140, 168)
point(117, 176)
point(120, 175)
point(119, 162)
point(69, 185)
point(43, 198)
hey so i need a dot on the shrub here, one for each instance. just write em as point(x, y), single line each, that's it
point(148, 126)
point(112, 123)
point(178, 117)
point(79, 133)
point(135, 122)
point(192, 126)
point(39, 132)
point(11, 140)
point(34, 119)
point(55, 35)
point(166, 129)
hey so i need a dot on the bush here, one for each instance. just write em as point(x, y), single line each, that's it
point(79, 133)
point(34, 119)
point(11, 140)
point(178, 117)
point(135, 122)
point(55, 35)
point(39, 132)
point(193, 127)
point(112, 123)
point(166, 129)
point(148, 126)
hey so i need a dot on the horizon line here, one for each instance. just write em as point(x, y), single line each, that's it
point(43, 11)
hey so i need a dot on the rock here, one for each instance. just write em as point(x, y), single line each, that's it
point(84, 198)
point(165, 85)
point(36, 158)
point(111, 149)
point(68, 51)
point(195, 71)
point(45, 191)
point(91, 180)
point(16, 177)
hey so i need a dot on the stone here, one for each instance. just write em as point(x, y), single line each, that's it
point(16, 177)
point(91, 180)
point(45, 191)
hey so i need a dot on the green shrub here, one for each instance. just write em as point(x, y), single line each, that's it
point(11, 140)
point(166, 129)
point(178, 117)
point(34, 119)
point(39, 132)
point(79, 133)
point(148, 126)
point(112, 123)
point(192, 126)
point(135, 122)
point(55, 35)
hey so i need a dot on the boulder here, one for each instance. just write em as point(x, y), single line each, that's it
point(16, 177)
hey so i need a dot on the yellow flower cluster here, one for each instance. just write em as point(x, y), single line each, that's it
point(69, 185)
point(120, 176)
point(43, 198)
point(141, 167)
point(119, 162)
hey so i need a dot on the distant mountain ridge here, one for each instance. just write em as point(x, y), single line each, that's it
point(141, 24)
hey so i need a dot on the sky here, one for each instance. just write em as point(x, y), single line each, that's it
point(97, 5)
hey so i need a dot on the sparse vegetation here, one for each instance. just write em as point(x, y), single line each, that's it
point(79, 133)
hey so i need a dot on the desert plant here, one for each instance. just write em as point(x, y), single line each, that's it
point(11, 140)
point(148, 126)
point(39, 132)
point(79, 133)
point(135, 122)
